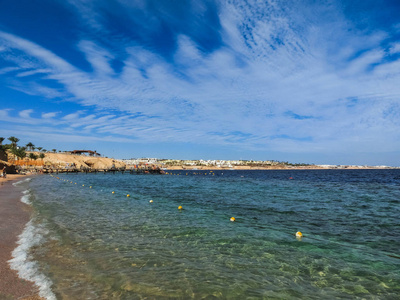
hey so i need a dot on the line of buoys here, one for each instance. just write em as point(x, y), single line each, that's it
point(180, 208)
point(113, 192)
point(299, 235)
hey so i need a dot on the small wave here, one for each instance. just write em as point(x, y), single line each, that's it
point(22, 181)
point(24, 264)
point(25, 197)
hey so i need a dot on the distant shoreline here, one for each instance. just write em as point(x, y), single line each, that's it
point(192, 168)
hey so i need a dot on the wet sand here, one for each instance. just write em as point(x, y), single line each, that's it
point(13, 217)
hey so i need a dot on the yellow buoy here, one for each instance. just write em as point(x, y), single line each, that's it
point(90, 187)
point(180, 207)
point(233, 219)
point(128, 195)
point(83, 185)
point(113, 192)
point(151, 201)
point(299, 234)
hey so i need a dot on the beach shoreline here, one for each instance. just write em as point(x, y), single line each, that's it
point(14, 216)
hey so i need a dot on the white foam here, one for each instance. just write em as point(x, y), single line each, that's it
point(24, 264)
point(22, 181)
point(25, 197)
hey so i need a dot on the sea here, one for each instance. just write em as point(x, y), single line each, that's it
point(221, 234)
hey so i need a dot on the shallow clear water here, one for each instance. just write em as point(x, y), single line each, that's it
point(101, 245)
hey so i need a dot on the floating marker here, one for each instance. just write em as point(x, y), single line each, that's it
point(151, 201)
point(233, 219)
point(299, 234)
point(128, 195)
point(83, 185)
point(113, 192)
point(90, 187)
point(180, 207)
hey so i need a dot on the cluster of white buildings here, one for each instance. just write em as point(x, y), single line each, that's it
point(141, 161)
point(353, 167)
point(201, 162)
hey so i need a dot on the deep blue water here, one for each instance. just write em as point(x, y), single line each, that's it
point(104, 245)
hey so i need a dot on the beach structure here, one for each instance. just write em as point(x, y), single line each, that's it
point(89, 152)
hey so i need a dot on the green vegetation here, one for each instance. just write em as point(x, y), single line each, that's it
point(33, 156)
point(21, 152)
point(13, 141)
point(30, 146)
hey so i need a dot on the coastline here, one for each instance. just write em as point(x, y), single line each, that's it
point(14, 215)
point(191, 168)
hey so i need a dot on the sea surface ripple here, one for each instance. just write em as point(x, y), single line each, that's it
point(105, 245)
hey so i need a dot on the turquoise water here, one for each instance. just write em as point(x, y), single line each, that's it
point(100, 245)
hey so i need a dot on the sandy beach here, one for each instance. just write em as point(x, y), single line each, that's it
point(13, 215)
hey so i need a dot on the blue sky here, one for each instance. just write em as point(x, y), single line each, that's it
point(299, 81)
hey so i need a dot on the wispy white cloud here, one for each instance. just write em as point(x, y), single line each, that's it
point(98, 57)
point(32, 72)
point(8, 70)
point(26, 113)
point(49, 115)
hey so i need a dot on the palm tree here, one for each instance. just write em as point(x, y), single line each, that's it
point(30, 146)
point(33, 156)
point(13, 141)
point(41, 155)
point(20, 153)
point(39, 148)
point(1, 140)
point(14, 152)
point(54, 150)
